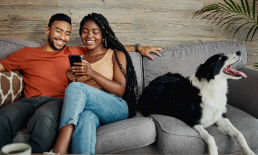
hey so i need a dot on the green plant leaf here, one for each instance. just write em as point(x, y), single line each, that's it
point(239, 8)
point(240, 27)
point(243, 5)
point(254, 33)
point(214, 12)
point(212, 17)
point(226, 18)
point(220, 15)
point(229, 5)
point(247, 7)
point(249, 32)
point(223, 6)
point(234, 5)
point(234, 20)
point(254, 9)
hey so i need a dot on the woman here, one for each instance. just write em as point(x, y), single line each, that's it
point(102, 88)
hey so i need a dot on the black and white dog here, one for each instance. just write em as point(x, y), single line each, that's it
point(198, 100)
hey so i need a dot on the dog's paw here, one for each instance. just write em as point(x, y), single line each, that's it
point(248, 151)
point(213, 150)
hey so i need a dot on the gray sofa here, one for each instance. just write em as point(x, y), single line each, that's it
point(159, 134)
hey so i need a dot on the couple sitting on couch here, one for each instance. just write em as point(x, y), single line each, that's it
point(101, 88)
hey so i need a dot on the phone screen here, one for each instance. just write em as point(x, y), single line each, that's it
point(74, 58)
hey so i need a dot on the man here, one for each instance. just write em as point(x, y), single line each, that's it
point(44, 72)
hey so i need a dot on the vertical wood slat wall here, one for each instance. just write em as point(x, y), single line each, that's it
point(148, 22)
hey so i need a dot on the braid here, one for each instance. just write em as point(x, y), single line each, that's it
point(113, 43)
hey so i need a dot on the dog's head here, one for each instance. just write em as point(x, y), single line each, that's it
point(219, 65)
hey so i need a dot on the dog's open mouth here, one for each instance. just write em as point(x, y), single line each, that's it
point(233, 72)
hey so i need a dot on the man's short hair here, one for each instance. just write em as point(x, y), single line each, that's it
point(59, 17)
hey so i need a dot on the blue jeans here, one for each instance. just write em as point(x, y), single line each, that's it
point(87, 107)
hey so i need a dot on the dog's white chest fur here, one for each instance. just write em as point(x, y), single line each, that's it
point(213, 99)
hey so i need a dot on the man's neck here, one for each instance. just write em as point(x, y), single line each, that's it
point(48, 48)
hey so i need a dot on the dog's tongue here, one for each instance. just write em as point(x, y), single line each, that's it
point(235, 72)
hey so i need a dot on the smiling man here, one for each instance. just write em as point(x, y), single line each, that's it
point(44, 72)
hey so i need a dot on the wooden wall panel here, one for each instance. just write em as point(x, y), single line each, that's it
point(149, 22)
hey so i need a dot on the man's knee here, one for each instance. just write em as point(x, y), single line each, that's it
point(47, 116)
point(43, 126)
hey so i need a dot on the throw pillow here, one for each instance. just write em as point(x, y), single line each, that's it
point(11, 86)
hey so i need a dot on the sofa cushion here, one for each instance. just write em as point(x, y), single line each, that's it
point(8, 46)
point(185, 59)
point(176, 137)
point(137, 63)
point(11, 86)
point(119, 136)
point(125, 135)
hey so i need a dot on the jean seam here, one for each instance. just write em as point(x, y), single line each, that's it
point(76, 104)
point(92, 119)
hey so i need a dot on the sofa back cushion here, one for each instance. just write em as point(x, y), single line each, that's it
point(8, 46)
point(185, 59)
point(137, 63)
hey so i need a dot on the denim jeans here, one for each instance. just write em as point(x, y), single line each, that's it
point(86, 108)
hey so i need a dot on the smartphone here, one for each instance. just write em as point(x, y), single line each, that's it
point(74, 58)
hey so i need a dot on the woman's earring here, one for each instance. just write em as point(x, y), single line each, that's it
point(105, 40)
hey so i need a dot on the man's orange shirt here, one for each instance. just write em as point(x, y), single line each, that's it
point(43, 72)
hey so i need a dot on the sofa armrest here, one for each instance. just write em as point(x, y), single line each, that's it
point(243, 93)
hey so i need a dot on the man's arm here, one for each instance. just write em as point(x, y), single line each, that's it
point(144, 50)
point(2, 69)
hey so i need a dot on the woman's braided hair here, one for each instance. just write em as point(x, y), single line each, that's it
point(113, 43)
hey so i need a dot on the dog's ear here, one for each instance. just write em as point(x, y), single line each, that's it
point(211, 72)
point(199, 71)
point(210, 76)
point(205, 72)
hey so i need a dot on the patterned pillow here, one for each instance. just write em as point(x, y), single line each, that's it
point(11, 86)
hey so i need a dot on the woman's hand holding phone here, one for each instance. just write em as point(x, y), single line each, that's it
point(83, 69)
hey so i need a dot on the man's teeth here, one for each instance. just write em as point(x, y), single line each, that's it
point(60, 42)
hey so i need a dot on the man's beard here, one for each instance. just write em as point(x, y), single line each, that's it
point(51, 43)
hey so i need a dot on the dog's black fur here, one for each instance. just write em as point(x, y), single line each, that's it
point(172, 95)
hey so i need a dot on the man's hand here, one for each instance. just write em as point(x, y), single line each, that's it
point(146, 50)
point(2, 69)
point(70, 75)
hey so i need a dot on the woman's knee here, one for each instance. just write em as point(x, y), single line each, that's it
point(87, 116)
point(73, 86)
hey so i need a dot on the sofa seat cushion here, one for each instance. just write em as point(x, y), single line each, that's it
point(125, 135)
point(119, 136)
point(176, 137)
